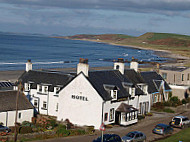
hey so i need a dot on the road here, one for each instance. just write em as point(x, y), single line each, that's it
point(146, 125)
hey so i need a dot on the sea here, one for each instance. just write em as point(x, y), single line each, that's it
point(47, 52)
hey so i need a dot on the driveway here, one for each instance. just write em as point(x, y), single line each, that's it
point(146, 125)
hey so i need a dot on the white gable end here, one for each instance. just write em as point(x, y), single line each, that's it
point(80, 103)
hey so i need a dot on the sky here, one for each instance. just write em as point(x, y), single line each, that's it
point(70, 17)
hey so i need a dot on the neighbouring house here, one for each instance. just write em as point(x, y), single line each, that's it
point(157, 86)
point(88, 97)
point(8, 108)
point(178, 79)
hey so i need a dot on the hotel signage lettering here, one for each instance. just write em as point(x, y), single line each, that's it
point(82, 98)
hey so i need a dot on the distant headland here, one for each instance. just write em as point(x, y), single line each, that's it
point(177, 46)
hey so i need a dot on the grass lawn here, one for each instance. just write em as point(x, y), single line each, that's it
point(183, 136)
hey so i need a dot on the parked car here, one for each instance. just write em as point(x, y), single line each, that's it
point(108, 138)
point(4, 129)
point(162, 129)
point(135, 136)
point(180, 122)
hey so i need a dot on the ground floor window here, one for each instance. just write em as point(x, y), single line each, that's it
point(105, 116)
point(35, 103)
point(131, 116)
point(112, 114)
point(19, 115)
point(44, 104)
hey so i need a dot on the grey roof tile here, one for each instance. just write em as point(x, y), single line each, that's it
point(8, 101)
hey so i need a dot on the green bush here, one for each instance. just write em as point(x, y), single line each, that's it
point(184, 101)
point(149, 114)
point(175, 101)
point(168, 110)
point(167, 103)
point(158, 106)
point(140, 117)
point(170, 95)
point(25, 130)
point(61, 131)
point(52, 123)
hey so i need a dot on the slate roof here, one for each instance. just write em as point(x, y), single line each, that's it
point(154, 80)
point(46, 77)
point(126, 108)
point(135, 78)
point(8, 101)
point(111, 77)
point(173, 68)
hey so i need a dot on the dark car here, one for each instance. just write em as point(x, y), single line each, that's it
point(4, 129)
point(108, 138)
point(162, 129)
point(135, 136)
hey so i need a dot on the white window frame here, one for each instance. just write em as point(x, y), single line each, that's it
point(44, 104)
point(111, 118)
point(132, 91)
point(56, 90)
point(57, 107)
point(35, 101)
point(45, 89)
point(26, 86)
point(39, 88)
point(114, 94)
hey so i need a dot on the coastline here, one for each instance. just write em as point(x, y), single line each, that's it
point(173, 59)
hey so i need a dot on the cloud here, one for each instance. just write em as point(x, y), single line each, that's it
point(157, 6)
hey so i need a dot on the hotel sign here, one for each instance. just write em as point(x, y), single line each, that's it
point(77, 97)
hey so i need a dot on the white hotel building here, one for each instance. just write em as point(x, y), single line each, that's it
point(89, 97)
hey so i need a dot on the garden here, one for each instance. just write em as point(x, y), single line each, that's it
point(44, 127)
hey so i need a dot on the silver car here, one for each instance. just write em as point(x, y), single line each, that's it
point(162, 129)
point(135, 136)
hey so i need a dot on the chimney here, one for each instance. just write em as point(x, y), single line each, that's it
point(29, 65)
point(119, 65)
point(134, 64)
point(83, 66)
point(157, 67)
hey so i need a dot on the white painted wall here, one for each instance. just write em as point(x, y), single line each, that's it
point(78, 111)
point(3, 116)
point(26, 115)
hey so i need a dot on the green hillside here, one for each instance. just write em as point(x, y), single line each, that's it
point(179, 44)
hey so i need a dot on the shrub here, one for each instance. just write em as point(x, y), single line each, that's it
point(168, 110)
point(149, 114)
point(25, 130)
point(26, 123)
point(184, 101)
point(140, 117)
point(175, 101)
point(167, 103)
point(61, 131)
point(158, 106)
point(89, 129)
point(52, 123)
point(170, 95)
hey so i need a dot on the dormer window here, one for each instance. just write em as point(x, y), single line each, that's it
point(39, 88)
point(114, 94)
point(56, 90)
point(26, 86)
point(45, 89)
point(132, 92)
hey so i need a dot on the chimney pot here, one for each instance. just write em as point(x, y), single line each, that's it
point(82, 60)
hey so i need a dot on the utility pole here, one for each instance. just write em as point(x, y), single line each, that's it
point(18, 92)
